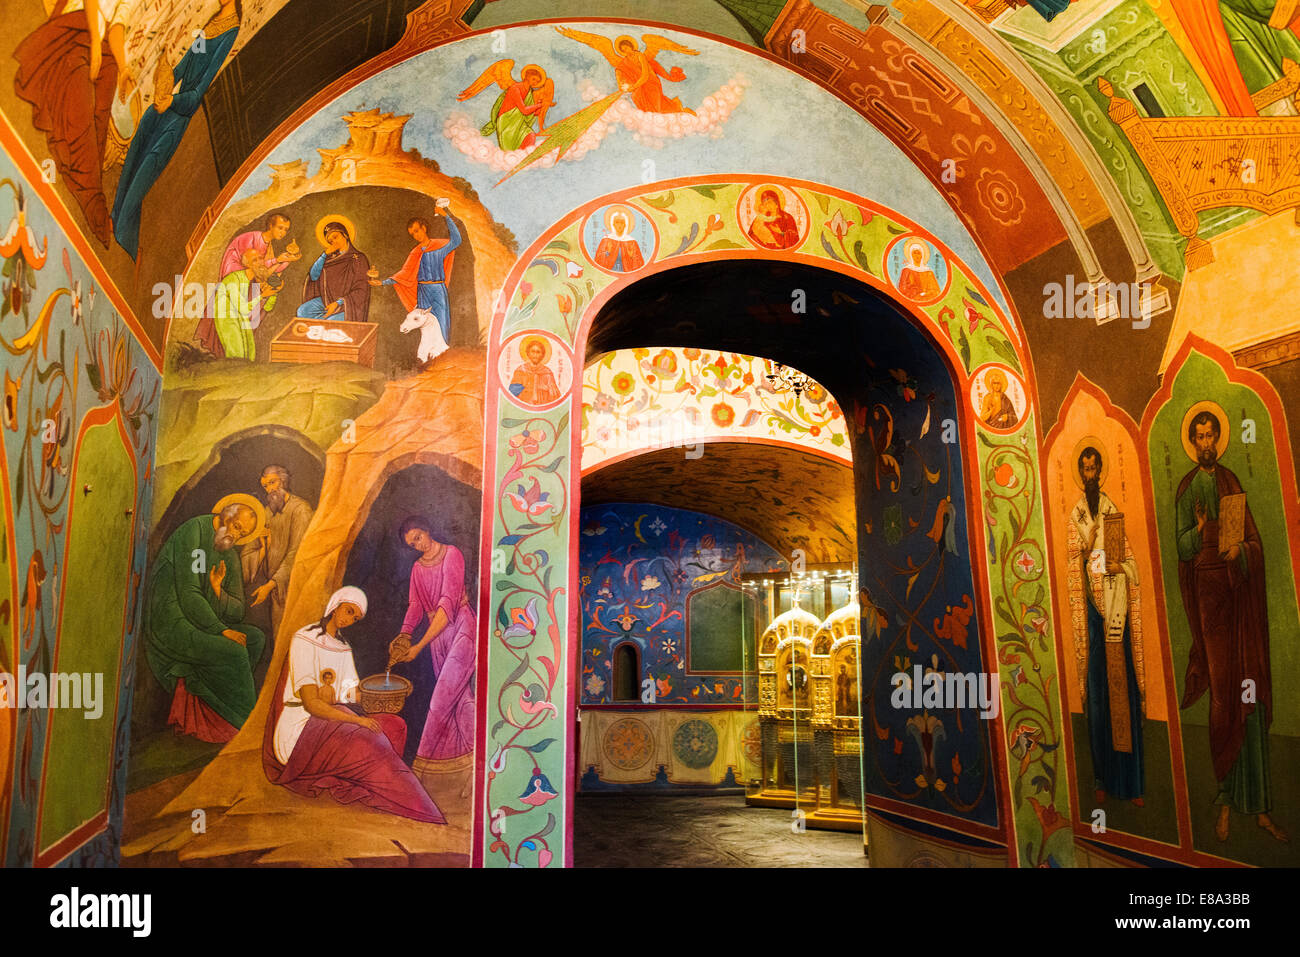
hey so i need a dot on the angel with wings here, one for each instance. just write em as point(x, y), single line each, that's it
point(520, 105)
point(637, 71)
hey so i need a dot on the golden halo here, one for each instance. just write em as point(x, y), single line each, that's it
point(1083, 443)
point(1224, 429)
point(618, 41)
point(335, 218)
point(259, 512)
point(914, 243)
point(534, 67)
point(528, 341)
point(780, 196)
point(626, 211)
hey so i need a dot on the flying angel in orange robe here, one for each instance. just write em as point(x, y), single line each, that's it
point(637, 71)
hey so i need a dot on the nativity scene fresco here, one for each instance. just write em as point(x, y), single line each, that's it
point(419, 428)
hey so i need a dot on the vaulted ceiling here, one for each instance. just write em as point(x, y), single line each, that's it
point(788, 498)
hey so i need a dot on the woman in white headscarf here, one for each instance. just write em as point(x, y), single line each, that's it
point(318, 741)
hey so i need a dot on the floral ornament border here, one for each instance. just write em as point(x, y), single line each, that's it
point(65, 362)
point(555, 288)
point(685, 395)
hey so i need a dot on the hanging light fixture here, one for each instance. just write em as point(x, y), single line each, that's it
point(784, 379)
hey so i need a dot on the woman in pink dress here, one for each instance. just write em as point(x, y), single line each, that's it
point(445, 756)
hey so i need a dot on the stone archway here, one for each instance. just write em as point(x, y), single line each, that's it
point(555, 292)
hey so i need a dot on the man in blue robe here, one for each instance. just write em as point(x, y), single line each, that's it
point(163, 125)
point(421, 284)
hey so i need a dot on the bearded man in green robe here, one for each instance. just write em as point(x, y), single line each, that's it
point(197, 642)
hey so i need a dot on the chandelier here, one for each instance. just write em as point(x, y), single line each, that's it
point(784, 379)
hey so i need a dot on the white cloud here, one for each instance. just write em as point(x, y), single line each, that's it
point(652, 130)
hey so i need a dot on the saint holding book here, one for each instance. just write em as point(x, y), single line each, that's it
point(1221, 576)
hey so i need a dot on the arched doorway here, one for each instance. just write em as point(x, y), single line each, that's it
point(993, 420)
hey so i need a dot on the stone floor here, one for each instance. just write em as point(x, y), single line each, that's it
point(614, 830)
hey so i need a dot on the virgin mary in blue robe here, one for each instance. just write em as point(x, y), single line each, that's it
point(159, 134)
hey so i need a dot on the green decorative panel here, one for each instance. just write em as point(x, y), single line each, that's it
point(80, 752)
point(1130, 46)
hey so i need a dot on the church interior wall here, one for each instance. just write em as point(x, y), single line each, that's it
point(964, 544)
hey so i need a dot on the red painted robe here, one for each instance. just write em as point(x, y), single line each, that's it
point(1228, 614)
point(610, 250)
point(649, 96)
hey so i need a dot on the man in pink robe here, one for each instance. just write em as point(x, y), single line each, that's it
point(437, 593)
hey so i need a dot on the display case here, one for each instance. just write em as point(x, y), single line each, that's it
point(802, 687)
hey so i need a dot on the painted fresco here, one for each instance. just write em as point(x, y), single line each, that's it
point(640, 565)
point(334, 482)
point(1221, 479)
point(111, 87)
point(852, 235)
point(329, 375)
point(916, 581)
point(1110, 623)
point(657, 398)
point(650, 751)
point(80, 413)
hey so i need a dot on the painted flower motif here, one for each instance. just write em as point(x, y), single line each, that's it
point(525, 289)
point(691, 354)
point(658, 526)
point(664, 363)
point(528, 441)
point(1005, 475)
point(999, 194)
point(839, 226)
point(1050, 819)
point(603, 403)
point(523, 621)
point(723, 415)
point(531, 501)
point(595, 685)
point(815, 431)
point(815, 393)
point(19, 238)
point(747, 378)
point(623, 383)
point(539, 790)
point(664, 686)
point(572, 269)
point(669, 646)
point(627, 620)
point(650, 583)
point(564, 302)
